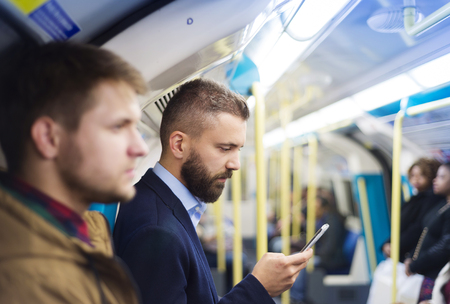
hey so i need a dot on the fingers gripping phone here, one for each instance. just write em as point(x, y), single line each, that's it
point(316, 237)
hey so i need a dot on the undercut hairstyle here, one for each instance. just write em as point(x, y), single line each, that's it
point(55, 80)
point(195, 107)
point(428, 167)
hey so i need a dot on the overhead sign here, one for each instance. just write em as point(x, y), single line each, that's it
point(49, 16)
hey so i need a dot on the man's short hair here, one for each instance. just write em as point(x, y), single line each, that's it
point(55, 80)
point(195, 107)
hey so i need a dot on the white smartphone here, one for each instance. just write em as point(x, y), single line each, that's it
point(316, 237)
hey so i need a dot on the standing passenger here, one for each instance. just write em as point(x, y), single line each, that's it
point(68, 116)
point(202, 130)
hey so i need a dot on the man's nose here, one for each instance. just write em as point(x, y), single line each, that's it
point(138, 147)
point(234, 163)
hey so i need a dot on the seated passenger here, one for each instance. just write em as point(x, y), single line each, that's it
point(432, 251)
point(68, 116)
point(420, 175)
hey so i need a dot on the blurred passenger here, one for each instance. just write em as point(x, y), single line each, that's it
point(433, 248)
point(68, 116)
point(420, 175)
point(329, 249)
point(202, 130)
point(207, 233)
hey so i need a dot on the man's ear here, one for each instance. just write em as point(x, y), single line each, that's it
point(45, 136)
point(179, 143)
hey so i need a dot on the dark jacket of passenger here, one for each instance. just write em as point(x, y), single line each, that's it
point(411, 220)
point(433, 249)
point(330, 246)
point(155, 236)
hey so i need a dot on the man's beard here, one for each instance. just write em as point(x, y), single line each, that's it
point(198, 179)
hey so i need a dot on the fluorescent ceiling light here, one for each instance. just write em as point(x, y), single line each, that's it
point(386, 92)
point(273, 138)
point(433, 73)
point(313, 15)
point(280, 58)
point(339, 111)
point(306, 124)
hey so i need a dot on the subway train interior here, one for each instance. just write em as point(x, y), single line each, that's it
point(344, 95)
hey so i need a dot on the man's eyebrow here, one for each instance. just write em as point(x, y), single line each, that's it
point(230, 144)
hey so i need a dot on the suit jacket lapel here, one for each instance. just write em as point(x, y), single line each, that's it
point(174, 203)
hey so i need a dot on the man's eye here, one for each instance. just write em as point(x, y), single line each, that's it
point(225, 149)
point(118, 126)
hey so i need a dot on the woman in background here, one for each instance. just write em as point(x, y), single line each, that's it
point(420, 175)
point(432, 251)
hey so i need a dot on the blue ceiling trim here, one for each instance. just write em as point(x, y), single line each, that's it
point(436, 93)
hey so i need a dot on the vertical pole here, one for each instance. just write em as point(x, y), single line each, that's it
point(285, 203)
point(218, 210)
point(395, 200)
point(367, 223)
point(237, 240)
point(261, 192)
point(297, 192)
point(312, 193)
point(272, 182)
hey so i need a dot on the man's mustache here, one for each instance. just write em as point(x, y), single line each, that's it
point(227, 174)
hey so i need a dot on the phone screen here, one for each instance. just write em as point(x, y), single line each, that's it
point(316, 237)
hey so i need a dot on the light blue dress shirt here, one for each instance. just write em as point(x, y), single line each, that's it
point(192, 204)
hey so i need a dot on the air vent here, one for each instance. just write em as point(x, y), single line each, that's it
point(161, 103)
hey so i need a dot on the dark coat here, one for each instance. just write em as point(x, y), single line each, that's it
point(330, 246)
point(411, 220)
point(154, 235)
point(433, 249)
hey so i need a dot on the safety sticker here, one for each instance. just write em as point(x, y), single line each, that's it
point(50, 16)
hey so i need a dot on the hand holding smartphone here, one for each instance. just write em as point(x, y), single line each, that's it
point(316, 237)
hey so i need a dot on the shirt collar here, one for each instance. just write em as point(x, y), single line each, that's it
point(192, 204)
point(61, 217)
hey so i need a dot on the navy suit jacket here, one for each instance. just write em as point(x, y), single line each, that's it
point(155, 237)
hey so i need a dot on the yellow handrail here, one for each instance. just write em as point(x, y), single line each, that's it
point(395, 200)
point(272, 182)
point(220, 235)
point(285, 203)
point(297, 192)
point(312, 193)
point(236, 193)
point(429, 106)
point(362, 189)
point(261, 213)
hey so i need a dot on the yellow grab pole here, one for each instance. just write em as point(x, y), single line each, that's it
point(395, 201)
point(261, 193)
point(312, 192)
point(285, 203)
point(272, 181)
point(237, 240)
point(220, 235)
point(367, 222)
point(297, 192)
